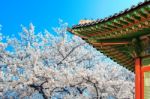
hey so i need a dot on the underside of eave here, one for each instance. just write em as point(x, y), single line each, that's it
point(117, 56)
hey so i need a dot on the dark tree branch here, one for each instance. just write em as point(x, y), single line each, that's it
point(94, 85)
point(44, 82)
point(64, 90)
point(39, 88)
point(61, 53)
point(70, 53)
point(79, 59)
point(81, 90)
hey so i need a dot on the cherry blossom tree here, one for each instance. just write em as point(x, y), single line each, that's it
point(59, 65)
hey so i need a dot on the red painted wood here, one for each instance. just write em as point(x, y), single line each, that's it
point(142, 84)
point(137, 78)
point(109, 43)
point(143, 69)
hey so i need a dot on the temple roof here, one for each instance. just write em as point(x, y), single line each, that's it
point(123, 36)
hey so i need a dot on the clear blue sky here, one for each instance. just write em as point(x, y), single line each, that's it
point(44, 14)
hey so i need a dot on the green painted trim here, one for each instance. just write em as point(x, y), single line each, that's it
point(146, 61)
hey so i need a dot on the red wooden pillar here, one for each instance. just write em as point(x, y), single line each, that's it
point(137, 78)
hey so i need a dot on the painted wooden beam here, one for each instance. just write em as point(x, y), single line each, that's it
point(110, 43)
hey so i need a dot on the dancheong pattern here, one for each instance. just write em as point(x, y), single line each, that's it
point(123, 36)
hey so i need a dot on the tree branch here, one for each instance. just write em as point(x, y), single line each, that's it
point(70, 53)
point(94, 85)
point(39, 88)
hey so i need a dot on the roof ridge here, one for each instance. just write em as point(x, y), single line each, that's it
point(112, 16)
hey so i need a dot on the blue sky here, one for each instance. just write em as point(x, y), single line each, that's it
point(44, 14)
